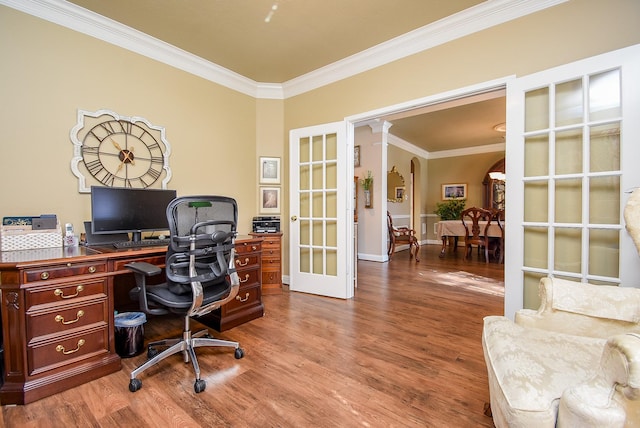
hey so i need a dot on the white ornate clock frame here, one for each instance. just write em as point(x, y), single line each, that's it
point(77, 144)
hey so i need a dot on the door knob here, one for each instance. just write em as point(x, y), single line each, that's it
point(294, 218)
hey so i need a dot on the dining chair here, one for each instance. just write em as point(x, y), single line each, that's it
point(476, 222)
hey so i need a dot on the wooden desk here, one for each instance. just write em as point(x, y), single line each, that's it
point(455, 229)
point(57, 315)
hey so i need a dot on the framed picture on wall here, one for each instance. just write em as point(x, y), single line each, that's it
point(400, 193)
point(269, 200)
point(356, 156)
point(454, 191)
point(269, 170)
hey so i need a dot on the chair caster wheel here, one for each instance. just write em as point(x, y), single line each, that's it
point(199, 385)
point(152, 352)
point(239, 353)
point(135, 384)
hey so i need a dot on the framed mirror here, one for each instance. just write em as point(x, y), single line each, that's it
point(396, 189)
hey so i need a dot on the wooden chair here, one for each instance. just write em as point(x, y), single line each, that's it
point(497, 244)
point(399, 235)
point(476, 234)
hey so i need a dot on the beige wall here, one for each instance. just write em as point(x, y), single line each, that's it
point(49, 72)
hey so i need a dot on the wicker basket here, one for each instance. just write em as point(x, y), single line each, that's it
point(14, 238)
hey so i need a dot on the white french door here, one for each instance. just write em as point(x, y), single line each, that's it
point(571, 159)
point(320, 211)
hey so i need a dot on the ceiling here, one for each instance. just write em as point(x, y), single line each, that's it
point(305, 35)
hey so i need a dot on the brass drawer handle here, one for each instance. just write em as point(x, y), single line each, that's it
point(60, 293)
point(60, 318)
point(44, 275)
point(60, 348)
point(246, 278)
point(92, 269)
point(246, 297)
point(246, 262)
point(254, 248)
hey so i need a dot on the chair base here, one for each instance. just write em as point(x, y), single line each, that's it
point(186, 345)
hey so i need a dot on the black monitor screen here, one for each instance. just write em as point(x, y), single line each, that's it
point(118, 210)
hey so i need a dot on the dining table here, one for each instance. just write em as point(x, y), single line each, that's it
point(455, 229)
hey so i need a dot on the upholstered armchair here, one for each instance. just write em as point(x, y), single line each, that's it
point(574, 362)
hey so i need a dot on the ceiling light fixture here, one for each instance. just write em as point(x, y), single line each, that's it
point(497, 175)
point(501, 127)
point(274, 7)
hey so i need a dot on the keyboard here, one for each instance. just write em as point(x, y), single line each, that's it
point(142, 243)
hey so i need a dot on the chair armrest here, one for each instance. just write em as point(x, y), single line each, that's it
point(583, 309)
point(612, 396)
point(144, 268)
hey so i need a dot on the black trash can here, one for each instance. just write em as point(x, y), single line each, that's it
point(129, 333)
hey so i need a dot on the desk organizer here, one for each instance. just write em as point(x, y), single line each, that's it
point(14, 238)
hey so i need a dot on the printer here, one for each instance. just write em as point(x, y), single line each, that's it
point(266, 224)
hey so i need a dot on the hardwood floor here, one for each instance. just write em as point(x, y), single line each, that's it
point(405, 352)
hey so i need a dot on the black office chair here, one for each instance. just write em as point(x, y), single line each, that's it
point(200, 277)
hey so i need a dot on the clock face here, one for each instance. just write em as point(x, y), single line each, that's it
point(119, 152)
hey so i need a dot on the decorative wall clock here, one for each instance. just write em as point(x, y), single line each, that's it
point(118, 151)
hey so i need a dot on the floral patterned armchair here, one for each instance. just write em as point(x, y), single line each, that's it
point(575, 362)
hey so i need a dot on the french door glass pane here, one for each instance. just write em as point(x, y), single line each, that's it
point(531, 281)
point(569, 152)
point(305, 260)
point(305, 232)
point(604, 200)
point(304, 149)
point(318, 205)
point(536, 248)
point(604, 95)
point(536, 152)
point(537, 108)
point(318, 234)
point(568, 201)
point(305, 204)
point(604, 246)
point(569, 103)
point(568, 249)
point(332, 262)
point(605, 147)
point(305, 177)
point(536, 201)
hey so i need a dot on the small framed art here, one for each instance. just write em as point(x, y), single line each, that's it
point(270, 200)
point(356, 156)
point(269, 170)
point(454, 191)
point(400, 193)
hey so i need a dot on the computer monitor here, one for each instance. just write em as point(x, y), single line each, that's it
point(126, 210)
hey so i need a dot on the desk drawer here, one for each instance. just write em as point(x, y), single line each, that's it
point(119, 265)
point(66, 293)
point(248, 247)
point(64, 271)
point(66, 350)
point(249, 277)
point(247, 296)
point(62, 319)
point(244, 262)
point(271, 246)
point(271, 277)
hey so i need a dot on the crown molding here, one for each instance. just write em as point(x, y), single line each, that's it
point(489, 148)
point(476, 18)
point(407, 146)
point(411, 148)
point(92, 24)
